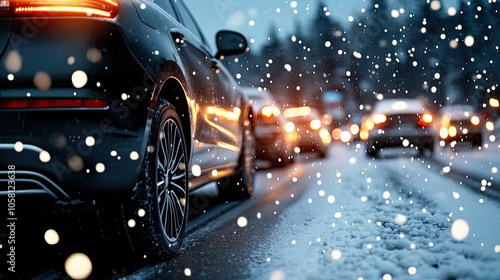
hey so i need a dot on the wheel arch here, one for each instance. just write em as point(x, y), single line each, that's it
point(248, 112)
point(173, 91)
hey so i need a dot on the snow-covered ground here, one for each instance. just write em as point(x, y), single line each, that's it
point(481, 164)
point(395, 218)
point(348, 217)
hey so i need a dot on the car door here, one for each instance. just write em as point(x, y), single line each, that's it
point(196, 61)
point(223, 113)
point(229, 102)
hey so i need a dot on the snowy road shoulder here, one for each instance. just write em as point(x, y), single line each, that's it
point(386, 219)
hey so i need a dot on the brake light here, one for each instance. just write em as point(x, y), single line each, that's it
point(53, 103)
point(93, 8)
point(289, 127)
point(452, 131)
point(315, 124)
point(425, 119)
point(4, 7)
point(443, 132)
point(475, 120)
point(270, 111)
point(379, 118)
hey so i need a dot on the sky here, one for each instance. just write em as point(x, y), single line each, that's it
point(255, 18)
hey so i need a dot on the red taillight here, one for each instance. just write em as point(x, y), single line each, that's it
point(53, 103)
point(270, 111)
point(379, 118)
point(425, 119)
point(94, 8)
point(4, 7)
point(475, 120)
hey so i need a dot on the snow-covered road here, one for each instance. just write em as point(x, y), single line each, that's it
point(395, 218)
point(346, 217)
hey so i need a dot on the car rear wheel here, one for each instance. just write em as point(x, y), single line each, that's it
point(426, 150)
point(240, 184)
point(323, 153)
point(477, 141)
point(281, 161)
point(371, 151)
point(153, 217)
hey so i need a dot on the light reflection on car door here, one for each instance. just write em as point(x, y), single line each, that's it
point(228, 125)
point(196, 59)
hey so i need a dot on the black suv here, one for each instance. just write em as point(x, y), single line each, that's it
point(121, 105)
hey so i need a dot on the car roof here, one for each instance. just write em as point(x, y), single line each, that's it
point(457, 108)
point(305, 112)
point(399, 106)
point(457, 111)
point(259, 97)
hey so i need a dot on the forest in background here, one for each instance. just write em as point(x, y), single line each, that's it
point(393, 49)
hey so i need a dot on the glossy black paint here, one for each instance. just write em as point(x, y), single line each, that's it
point(131, 60)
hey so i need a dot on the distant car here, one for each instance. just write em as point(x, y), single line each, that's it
point(350, 132)
point(312, 135)
point(460, 123)
point(400, 123)
point(275, 140)
point(120, 105)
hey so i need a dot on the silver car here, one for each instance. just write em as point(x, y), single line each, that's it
point(400, 123)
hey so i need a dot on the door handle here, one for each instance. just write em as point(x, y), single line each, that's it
point(178, 36)
point(215, 66)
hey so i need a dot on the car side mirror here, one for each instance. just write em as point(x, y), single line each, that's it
point(230, 43)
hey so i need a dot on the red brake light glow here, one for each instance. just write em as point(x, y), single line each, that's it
point(379, 118)
point(4, 7)
point(475, 120)
point(269, 111)
point(53, 103)
point(315, 124)
point(426, 119)
point(93, 8)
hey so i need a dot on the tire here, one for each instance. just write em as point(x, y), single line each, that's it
point(426, 150)
point(153, 217)
point(371, 151)
point(280, 162)
point(239, 185)
point(323, 152)
point(477, 141)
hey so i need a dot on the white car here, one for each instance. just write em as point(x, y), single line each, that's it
point(400, 123)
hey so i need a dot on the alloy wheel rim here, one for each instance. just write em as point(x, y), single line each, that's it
point(171, 181)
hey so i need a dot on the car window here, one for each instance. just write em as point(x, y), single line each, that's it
point(167, 6)
point(188, 20)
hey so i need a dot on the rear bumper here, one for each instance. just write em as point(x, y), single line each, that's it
point(470, 136)
point(63, 165)
point(71, 153)
point(274, 146)
point(312, 142)
point(400, 141)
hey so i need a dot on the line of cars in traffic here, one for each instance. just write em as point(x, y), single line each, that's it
point(411, 123)
point(397, 122)
point(282, 133)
